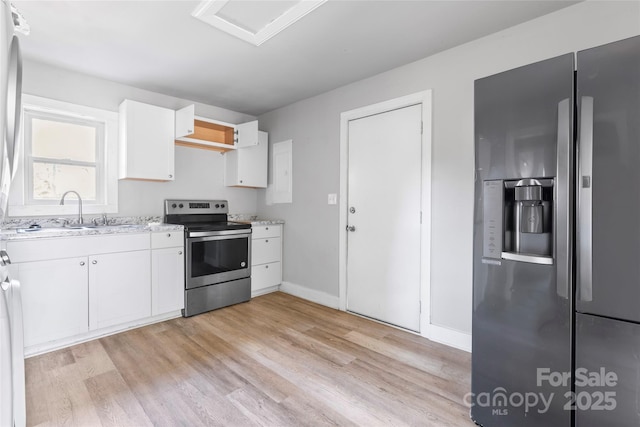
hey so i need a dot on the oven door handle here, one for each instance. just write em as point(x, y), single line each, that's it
point(218, 233)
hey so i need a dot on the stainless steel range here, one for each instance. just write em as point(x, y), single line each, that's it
point(218, 254)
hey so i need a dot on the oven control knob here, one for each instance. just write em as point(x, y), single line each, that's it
point(181, 205)
point(217, 205)
point(174, 206)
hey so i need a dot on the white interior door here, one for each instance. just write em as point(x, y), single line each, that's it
point(384, 202)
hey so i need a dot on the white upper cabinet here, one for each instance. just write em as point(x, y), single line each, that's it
point(200, 132)
point(184, 121)
point(247, 167)
point(247, 134)
point(146, 142)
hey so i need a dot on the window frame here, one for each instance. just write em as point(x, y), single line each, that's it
point(30, 159)
point(21, 201)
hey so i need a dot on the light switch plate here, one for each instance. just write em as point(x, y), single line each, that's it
point(332, 199)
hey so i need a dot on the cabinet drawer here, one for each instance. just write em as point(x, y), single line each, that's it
point(69, 247)
point(265, 276)
point(167, 239)
point(265, 250)
point(264, 231)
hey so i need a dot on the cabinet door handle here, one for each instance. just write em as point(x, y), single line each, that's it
point(81, 263)
point(266, 241)
point(170, 176)
point(179, 252)
point(94, 262)
point(266, 266)
point(266, 228)
point(168, 234)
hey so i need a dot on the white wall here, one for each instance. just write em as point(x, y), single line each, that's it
point(311, 229)
point(199, 173)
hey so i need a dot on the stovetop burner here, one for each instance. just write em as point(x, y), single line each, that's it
point(200, 215)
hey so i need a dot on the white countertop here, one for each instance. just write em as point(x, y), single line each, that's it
point(257, 222)
point(48, 232)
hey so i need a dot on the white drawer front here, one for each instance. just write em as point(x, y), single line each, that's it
point(167, 239)
point(266, 275)
point(265, 251)
point(264, 231)
point(70, 247)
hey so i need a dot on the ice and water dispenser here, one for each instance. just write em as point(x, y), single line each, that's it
point(518, 220)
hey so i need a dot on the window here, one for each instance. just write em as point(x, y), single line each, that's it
point(66, 147)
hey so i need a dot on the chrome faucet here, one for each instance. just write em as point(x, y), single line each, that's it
point(103, 219)
point(80, 220)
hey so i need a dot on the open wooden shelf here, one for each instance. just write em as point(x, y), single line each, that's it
point(209, 136)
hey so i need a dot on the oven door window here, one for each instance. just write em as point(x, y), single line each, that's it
point(217, 256)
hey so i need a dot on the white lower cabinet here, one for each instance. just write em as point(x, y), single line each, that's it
point(264, 276)
point(119, 288)
point(167, 272)
point(54, 298)
point(266, 258)
point(95, 283)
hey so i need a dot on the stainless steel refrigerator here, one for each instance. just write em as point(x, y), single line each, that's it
point(12, 380)
point(556, 282)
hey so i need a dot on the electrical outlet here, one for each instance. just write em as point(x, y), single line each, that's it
point(332, 199)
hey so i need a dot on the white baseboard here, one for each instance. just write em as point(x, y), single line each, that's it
point(312, 295)
point(264, 291)
point(449, 337)
point(440, 334)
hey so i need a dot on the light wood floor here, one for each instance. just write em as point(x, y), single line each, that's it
point(275, 361)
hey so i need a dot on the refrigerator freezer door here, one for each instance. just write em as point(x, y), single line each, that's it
point(13, 93)
point(521, 311)
point(608, 252)
point(607, 380)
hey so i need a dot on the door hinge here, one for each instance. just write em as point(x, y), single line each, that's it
point(421, 128)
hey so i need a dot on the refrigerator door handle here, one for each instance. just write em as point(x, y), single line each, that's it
point(14, 104)
point(12, 300)
point(585, 212)
point(17, 356)
point(562, 208)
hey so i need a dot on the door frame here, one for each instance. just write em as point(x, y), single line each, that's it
point(423, 98)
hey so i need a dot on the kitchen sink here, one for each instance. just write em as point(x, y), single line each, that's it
point(93, 226)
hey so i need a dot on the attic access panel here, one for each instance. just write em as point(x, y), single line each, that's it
point(254, 21)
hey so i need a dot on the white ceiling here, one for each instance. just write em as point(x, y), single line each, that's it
point(159, 46)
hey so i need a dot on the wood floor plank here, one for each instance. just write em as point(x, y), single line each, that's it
point(263, 378)
point(259, 408)
point(114, 401)
point(148, 380)
point(60, 396)
point(317, 388)
point(275, 361)
point(314, 414)
point(429, 381)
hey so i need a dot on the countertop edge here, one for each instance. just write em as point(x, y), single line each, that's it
point(13, 234)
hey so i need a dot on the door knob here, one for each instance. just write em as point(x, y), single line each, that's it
point(351, 228)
